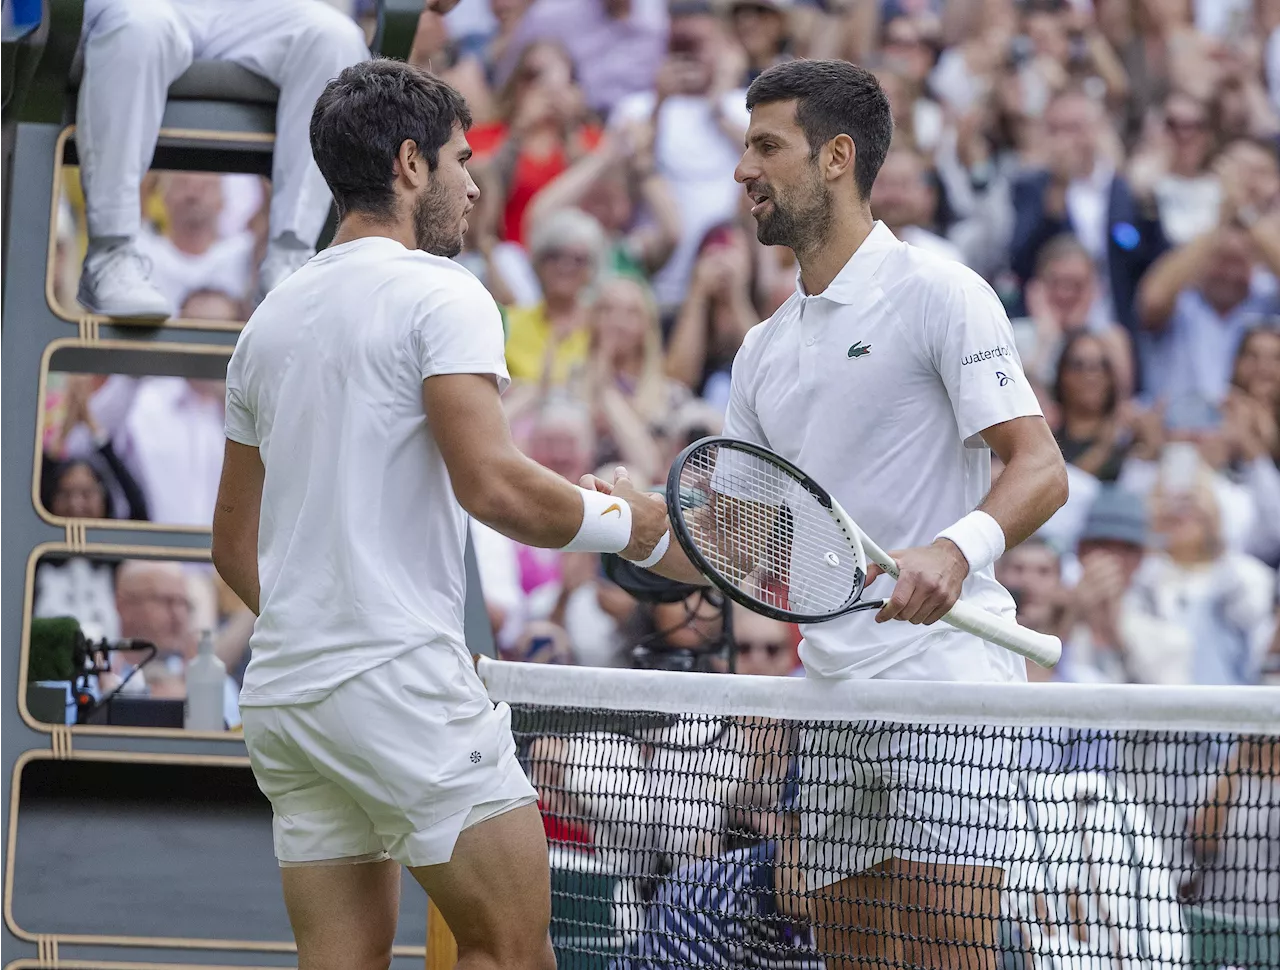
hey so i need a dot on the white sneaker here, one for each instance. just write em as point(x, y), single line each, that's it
point(279, 264)
point(116, 282)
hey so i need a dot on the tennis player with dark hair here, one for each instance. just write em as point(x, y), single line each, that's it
point(363, 425)
point(889, 376)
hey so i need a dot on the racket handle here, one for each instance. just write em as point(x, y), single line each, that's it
point(1043, 648)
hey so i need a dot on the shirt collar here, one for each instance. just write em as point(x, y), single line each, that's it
point(849, 286)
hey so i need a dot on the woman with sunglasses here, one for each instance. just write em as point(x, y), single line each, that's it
point(1174, 165)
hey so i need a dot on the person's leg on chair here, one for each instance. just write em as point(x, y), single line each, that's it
point(495, 893)
point(133, 51)
point(301, 46)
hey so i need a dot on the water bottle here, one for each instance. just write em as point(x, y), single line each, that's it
point(206, 686)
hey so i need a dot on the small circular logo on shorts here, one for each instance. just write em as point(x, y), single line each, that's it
point(832, 559)
point(475, 757)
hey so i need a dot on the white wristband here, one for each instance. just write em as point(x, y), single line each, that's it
point(606, 524)
point(655, 557)
point(979, 538)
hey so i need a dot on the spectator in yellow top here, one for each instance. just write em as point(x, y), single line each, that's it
point(549, 342)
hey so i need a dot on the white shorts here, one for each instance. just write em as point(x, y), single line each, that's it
point(394, 763)
point(926, 794)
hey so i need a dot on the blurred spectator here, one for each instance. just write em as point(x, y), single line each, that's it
point(1061, 302)
point(211, 304)
point(191, 255)
point(1107, 633)
point(1090, 427)
point(1198, 301)
point(168, 433)
point(81, 475)
point(540, 130)
point(690, 421)
point(549, 342)
point(716, 315)
point(523, 584)
point(615, 44)
point(1081, 193)
point(700, 118)
point(132, 53)
point(763, 31)
point(154, 604)
point(1216, 603)
point(1257, 374)
point(1032, 573)
point(1234, 838)
point(763, 646)
point(905, 198)
point(626, 384)
point(1175, 169)
point(611, 184)
point(76, 585)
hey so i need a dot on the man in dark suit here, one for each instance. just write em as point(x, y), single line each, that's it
point(1081, 193)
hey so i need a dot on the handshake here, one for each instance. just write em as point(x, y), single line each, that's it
point(649, 525)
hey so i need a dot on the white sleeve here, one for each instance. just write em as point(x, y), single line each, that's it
point(239, 424)
point(460, 333)
point(740, 419)
point(971, 343)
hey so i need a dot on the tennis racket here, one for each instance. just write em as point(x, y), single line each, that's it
point(776, 542)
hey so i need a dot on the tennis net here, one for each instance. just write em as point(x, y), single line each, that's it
point(711, 820)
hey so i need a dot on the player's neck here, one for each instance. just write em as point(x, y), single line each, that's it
point(357, 225)
point(821, 262)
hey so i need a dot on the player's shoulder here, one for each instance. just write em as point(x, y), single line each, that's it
point(926, 274)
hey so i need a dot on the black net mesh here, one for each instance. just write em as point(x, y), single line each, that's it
point(724, 841)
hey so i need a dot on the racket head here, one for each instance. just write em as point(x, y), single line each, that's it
point(763, 532)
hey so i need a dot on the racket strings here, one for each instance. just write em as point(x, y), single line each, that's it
point(765, 533)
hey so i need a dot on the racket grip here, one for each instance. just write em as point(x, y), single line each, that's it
point(1043, 648)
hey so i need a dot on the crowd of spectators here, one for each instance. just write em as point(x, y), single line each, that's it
point(1110, 166)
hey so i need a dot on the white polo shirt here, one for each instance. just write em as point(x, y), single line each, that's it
point(360, 541)
point(879, 388)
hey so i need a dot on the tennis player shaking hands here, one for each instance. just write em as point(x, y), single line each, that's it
point(890, 376)
point(363, 424)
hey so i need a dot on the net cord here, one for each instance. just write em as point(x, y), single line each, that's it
point(1119, 707)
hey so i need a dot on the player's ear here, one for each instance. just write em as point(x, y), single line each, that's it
point(410, 164)
point(838, 156)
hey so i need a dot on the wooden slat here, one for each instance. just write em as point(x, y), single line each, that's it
point(442, 951)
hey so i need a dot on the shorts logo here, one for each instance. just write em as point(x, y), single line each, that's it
point(615, 507)
point(1003, 378)
point(475, 757)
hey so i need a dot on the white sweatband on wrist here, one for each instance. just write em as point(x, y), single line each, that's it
point(979, 538)
point(606, 524)
point(654, 557)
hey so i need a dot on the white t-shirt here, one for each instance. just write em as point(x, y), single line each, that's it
point(360, 543)
point(878, 387)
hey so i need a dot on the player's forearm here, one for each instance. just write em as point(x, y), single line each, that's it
point(524, 501)
point(1031, 488)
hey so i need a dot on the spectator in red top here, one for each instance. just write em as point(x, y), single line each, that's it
point(541, 130)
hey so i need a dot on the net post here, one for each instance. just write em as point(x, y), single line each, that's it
point(442, 950)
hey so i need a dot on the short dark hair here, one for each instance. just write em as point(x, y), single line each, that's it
point(833, 98)
point(365, 115)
